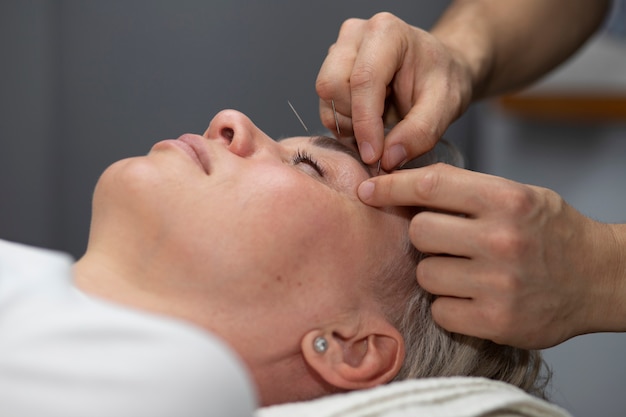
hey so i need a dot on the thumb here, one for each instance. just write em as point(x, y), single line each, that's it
point(417, 133)
point(394, 189)
point(366, 191)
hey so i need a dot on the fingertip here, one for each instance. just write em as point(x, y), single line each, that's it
point(369, 133)
point(440, 314)
point(395, 156)
point(367, 152)
point(456, 315)
point(366, 190)
point(406, 141)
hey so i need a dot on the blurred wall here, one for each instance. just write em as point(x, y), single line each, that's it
point(30, 118)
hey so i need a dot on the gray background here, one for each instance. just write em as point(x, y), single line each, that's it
point(85, 83)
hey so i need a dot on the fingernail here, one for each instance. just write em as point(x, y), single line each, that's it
point(366, 190)
point(396, 155)
point(367, 151)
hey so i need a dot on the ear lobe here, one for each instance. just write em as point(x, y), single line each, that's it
point(362, 361)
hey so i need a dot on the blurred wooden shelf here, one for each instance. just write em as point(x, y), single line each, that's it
point(567, 106)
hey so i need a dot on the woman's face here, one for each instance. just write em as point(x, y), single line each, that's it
point(238, 229)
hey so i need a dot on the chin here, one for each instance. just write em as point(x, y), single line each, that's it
point(127, 192)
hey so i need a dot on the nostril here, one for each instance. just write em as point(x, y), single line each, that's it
point(227, 133)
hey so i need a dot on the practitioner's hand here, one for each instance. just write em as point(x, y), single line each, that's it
point(510, 262)
point(382, 70)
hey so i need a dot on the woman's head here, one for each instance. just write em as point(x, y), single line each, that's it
point(266, 245)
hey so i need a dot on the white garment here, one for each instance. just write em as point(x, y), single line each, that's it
point(66, 355)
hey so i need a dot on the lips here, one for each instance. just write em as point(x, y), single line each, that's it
point(195, 146)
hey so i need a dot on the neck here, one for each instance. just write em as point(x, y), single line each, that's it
point(280, 373)
point(100, 276)
point(134, 280)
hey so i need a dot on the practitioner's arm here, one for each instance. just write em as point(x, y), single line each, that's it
point(509, 43)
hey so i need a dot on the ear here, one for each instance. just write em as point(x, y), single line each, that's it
point(370, 356)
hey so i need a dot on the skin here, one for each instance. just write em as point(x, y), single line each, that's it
point(521, 267)
point(238, 237)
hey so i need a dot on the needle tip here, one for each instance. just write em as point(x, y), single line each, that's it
point(332, 102)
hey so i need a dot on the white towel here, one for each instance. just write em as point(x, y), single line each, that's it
point(431, 397)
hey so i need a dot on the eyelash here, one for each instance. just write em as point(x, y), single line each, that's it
point(303, 157)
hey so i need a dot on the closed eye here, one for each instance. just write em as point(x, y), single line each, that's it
point(332, 144)
point(303, 157)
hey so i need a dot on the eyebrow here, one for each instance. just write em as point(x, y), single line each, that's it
point(332, 144)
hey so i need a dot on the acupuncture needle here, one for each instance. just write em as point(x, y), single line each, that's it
point(332, 102)
point(298, 116)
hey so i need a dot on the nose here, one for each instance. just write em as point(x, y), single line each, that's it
point(239, 133)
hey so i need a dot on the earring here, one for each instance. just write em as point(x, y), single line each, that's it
point(320, 344)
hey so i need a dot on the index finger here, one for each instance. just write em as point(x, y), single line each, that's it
point(333, 79)
point(437, 186)
point(379, 57)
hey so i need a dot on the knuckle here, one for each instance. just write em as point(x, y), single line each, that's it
point(507, 242)
point(362, 76)
point(325, 86)
point(500, 321)
point(456, 100)
point(421, 132)
point(350, 25)
point(519, 200)
point(382, 21)
point(507, 284)
point(427, 187)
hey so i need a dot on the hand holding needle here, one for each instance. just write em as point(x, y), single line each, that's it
point(332, 102)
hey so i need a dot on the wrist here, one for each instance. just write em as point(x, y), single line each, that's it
point(617, 277)
point(470, 47)
point(607, 280)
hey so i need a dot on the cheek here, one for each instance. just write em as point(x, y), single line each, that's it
point(295, 221)
point(297, 213)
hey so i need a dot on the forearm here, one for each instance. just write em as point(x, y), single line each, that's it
point(510, 43)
